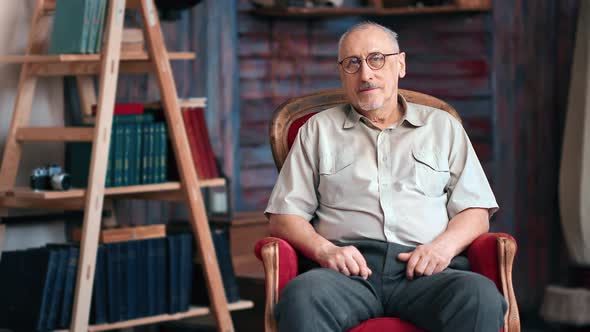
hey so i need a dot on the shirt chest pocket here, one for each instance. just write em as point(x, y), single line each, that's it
point(432, 173)
point(336, 177)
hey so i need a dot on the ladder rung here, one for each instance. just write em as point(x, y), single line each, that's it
point(55, 134)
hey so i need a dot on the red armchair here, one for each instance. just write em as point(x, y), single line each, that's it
point(491, 254)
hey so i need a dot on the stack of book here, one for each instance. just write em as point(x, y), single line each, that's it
point(198, 137)
point(133, 279)
point(78, 26)
point(138, 150)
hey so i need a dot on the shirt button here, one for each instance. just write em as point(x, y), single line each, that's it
point(384, 159)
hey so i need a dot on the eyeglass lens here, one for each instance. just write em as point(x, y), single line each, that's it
point(374, 61)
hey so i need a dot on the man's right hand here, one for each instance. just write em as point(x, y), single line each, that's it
point(347, 260)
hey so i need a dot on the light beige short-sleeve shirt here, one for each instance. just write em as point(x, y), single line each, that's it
point(402, 184)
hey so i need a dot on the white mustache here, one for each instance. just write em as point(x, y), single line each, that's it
point(369, 85)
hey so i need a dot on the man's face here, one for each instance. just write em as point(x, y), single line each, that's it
point(369, 89)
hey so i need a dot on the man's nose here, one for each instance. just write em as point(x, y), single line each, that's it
point(365, 71)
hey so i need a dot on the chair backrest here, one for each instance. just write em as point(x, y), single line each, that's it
point(293, 113)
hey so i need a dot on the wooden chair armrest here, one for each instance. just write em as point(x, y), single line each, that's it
point(492, 255)
point(280, 265)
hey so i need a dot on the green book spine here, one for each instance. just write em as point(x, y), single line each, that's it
point(133, 118)
point(87, 26)
point(68, 23)
point(151, 152)
point(127, 153)
point(138, 150)
point(92, 32)
point(101, 20)
point(110, 165)
point(163, 152)
point(157, 152)
point(145, 131)
point(119, 153)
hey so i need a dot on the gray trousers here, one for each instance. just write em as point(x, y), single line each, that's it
point(452, 300)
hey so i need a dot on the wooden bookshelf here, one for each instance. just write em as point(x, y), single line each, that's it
point(25, 192)
point(303, 12)
point(109, 64)
point(192, 312)
point(66, 58)
point(87, 64)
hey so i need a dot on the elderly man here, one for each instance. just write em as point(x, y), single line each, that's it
point(383, 195)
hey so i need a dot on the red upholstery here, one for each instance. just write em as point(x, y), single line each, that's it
point(288, 267)
point(482, 255)
point(294, 128)
point(385, 324)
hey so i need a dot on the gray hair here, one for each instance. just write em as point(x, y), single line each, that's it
point(364, 25)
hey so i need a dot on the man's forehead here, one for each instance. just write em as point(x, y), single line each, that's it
point(369, 39)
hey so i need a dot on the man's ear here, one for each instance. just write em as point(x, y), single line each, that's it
point(402, 64)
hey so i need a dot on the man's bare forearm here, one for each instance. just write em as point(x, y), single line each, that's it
point(463, 228)
point(299, 233)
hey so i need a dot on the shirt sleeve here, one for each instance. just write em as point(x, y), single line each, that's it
point(295, 189)
point(469, 186)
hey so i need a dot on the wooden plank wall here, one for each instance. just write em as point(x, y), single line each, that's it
point(532, 56)
point(506, 72)
point(448, 56)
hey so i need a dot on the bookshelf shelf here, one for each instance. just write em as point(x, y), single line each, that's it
point(192, 312)
point(303, 12)
point(163, 188)
point(113, 60)
point(69, 58)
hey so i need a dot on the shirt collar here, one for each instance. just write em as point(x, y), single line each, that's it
point(411, 114)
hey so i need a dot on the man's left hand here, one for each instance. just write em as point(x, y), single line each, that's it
point(426, 260)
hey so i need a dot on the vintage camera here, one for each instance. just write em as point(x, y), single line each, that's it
point(50, 177)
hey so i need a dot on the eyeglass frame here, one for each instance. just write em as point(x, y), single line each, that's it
point(385, 55)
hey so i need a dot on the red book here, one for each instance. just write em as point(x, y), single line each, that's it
point(207, 147)
point(199, 134)
point(192, 139)
point(124, 109)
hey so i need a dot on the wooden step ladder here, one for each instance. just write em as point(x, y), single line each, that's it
point(108, 64)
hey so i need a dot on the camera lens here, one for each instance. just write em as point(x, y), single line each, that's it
point(61, 181)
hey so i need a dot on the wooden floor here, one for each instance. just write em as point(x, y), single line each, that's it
point(249, 320)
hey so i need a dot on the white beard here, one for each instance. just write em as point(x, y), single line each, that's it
point(371, 105)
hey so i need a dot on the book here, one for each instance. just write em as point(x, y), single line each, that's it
point(69, 285)
point(70, 27)
point(125, 233)
point(99, 289)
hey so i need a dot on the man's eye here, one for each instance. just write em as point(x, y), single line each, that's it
point(375, 57)
point(355, 61)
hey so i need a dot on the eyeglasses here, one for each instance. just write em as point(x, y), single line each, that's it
point(375, 61)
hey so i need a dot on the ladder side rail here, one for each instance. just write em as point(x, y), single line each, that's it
point(23, 102)
point(188, 175)
point(98, 166)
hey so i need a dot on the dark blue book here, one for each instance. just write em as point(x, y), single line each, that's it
point(69, 286)
point(11, 301)
point(99, 290)
point(162, 290)
point(113, 281)
point(222, 250)
point(173, 274)
point(28, 278)
point(132, 276)
point(58, 289)
point(186, 270)
point(123, 280)
point(151, 277)
point(142, 279)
